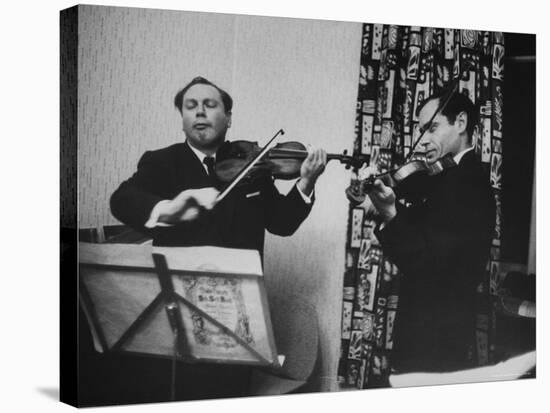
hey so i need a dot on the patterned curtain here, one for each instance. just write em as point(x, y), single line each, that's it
point(400, 67)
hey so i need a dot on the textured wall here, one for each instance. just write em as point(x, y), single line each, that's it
point(131, 64)
point(299, 75)
point(68, 105)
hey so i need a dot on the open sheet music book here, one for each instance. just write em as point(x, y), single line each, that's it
point(220, 294)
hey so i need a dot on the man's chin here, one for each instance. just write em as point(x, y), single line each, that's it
point(203, 135)
point(206, 141)
point(431, 158)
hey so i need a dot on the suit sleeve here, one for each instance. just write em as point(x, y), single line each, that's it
point(135, 198)
point(285, 213)
point(461, 223)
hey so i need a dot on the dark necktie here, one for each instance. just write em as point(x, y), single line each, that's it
point(209, 162)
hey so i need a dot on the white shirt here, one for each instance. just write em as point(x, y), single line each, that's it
point(459, 155)
point(200, 155)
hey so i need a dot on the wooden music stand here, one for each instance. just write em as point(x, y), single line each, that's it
point(193, 304)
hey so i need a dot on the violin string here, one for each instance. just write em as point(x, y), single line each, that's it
point(284, 153)
point(372, 178)
point(248, 167)
point(276, 153)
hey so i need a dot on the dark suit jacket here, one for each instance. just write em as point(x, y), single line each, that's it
point(441, 245)
point(238, 221)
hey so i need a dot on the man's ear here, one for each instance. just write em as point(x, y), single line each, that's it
point(229, 120)
point(462, 122)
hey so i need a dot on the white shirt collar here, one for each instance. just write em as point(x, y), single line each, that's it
point(459, 155)
point(200, 155)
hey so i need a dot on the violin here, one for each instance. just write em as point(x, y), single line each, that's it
point(418, 165)
point(283, 161)
point(415, 164)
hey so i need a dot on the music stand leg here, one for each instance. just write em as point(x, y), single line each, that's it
point(172, 310)
point(174, 315)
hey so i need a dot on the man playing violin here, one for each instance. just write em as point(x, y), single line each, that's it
point(440, 241)
point(172, 196)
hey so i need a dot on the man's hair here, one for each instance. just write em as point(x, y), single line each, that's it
point(459, 102)
point(226, 99)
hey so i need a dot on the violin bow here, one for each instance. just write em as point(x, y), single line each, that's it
point(427, 126)
point(248, 167)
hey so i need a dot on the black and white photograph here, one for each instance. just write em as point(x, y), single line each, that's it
point(218, 169)
point(260, 208)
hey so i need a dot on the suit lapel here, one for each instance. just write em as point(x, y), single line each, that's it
point(189, 170)
point(468, 159)
point(191, 174)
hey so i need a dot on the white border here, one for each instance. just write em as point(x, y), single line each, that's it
point(29, 170)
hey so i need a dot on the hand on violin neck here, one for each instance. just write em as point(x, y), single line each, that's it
point(188, 205)
point(312, 167)
point(383, 199)
point(366, 172)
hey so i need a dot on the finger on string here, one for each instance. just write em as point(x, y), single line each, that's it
point(366, 172)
